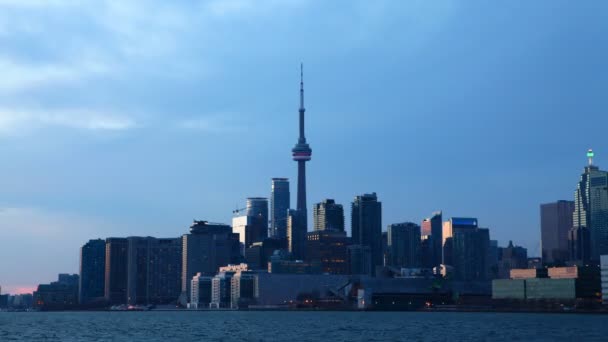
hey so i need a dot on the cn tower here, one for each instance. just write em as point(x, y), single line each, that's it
point(301, 152)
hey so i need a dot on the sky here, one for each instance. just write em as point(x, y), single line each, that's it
point(128, 118)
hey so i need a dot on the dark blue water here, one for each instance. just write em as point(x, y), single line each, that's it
point(300, 326)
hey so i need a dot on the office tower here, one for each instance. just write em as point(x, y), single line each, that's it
point(253, 226)
point(117, 255)
point(243, 289)
point(257, 209)
point(493, 258)
point(328, 216)
point(589, 235)
point(511, 257)
point(154, 270)
point(360, 260)
point(200, 295)
point(426, 251)
point(366, 226)
point(205, 249)
point(432, 227)
point(328, 248)
point(296, 234)
point(404, 245)
point(279, 204)
point(449, 227)
point(556, 220)
point(92, 271)
point(470, 248)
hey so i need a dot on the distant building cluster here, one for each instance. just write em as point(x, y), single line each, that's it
point(268, 257)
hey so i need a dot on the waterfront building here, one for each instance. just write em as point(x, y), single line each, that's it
point(404, 245)
point(279, 204)
point(328, 215)
point(200, 291)
point(92, 271)
point(243, 289)
point(59, 295)
point(221, 290)
point(117, 254)
point(328, 248)
point(154, 270)
point(205, 249)
point(589, 235)
point(366, 226)
point(556, 220)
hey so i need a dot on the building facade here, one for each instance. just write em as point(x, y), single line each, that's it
point(329, 249)
point(117, 257)
point(328, 215)
point(470, 254)
point(279, 204)
point(366, 226)
point(92, 272)
point(432, 227)
point(404, 245)
point(296, 234)
point(556, 220)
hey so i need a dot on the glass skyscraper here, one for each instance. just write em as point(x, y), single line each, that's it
point(555, 223)
point(328, 216)
point(279, 204)
point(366, 226)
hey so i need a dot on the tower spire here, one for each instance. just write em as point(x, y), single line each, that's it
point(301, 86)
point(590, 155)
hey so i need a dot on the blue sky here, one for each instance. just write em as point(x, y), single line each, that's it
point(123, 118)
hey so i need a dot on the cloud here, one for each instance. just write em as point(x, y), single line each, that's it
point(216, 123)
point(15, 122)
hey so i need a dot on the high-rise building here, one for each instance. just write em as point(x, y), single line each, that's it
point(253, 226)
point(328, 216)
point(92, 271)
point(366, 226)
point(205, 249)
point(511, 257)
point(360, 260)
point(117, 257)
point(200, 291)
point(296, 234)
point(279, 204)
point(449, 228)
point(604, 278)
point(470, 254)
point(589, 235)
point(555, 223)
point(328, 248)
point(432, 228)
point(258, 254)
point(154, 270)
point(404, 245)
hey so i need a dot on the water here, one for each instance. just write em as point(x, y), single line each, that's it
point(300, 326)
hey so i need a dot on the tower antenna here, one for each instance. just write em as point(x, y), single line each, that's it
point(590, 155)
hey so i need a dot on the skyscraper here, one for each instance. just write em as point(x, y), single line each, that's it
point(296, 234)
point(253, 226)
point(366, 226)
point(449, 228)
point(279, 204)
point(589, 235)
point(404, 245)
point(555, 223)
point(92, 271)
point(470, 254)
point(432, 227)
point(328, 216)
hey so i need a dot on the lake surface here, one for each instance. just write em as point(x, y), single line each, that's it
point(300, 326)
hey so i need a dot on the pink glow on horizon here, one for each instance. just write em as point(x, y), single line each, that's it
point(17, 289)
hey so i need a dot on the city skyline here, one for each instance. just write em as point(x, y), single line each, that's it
point(77, 170)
